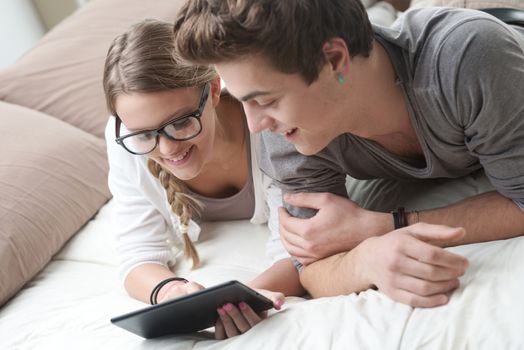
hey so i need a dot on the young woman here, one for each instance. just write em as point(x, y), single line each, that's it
point(178, 140)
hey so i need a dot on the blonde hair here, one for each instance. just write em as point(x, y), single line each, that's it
point(181, 204)
point(143, 59)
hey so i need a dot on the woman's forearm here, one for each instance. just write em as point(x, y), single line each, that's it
point(142, 279)
point(335, 275)
point(282, 277)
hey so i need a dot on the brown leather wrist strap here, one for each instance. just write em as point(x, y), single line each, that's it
point(399, 218)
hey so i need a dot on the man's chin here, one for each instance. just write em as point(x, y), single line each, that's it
point(307, 150)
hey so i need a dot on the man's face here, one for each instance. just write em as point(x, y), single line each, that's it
point(283, 103)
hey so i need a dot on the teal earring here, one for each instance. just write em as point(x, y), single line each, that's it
point(341, 79)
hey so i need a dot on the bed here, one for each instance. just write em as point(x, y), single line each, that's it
point(70, 302)
point(59, 283)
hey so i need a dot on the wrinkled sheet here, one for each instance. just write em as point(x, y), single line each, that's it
point(69, 304)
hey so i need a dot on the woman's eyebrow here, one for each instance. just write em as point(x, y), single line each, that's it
point(183, 112)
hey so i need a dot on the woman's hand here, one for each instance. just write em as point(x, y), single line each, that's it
point(176, 289)
point(237, 319)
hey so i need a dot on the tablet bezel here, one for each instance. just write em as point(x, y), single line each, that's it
point(190, 313)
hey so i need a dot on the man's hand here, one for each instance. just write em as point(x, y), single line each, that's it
point(338, 226)
point(408, 269)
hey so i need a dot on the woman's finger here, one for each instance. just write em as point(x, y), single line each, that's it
point(220, 332)
point(238, 319)
point(229, 327)
point(277, 298)
point(251, 317)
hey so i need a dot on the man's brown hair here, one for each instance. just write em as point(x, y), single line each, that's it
point(289, 33)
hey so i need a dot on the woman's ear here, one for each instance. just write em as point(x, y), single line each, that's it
point(216, 88)
point(337, 56)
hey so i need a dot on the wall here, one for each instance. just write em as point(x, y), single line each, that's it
point(23, 22)
point(20, 28)
point(53, 11)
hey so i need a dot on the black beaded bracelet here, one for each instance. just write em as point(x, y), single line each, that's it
point(154, 292)
point(399, 218)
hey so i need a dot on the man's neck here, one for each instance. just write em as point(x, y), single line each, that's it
point(383, 114)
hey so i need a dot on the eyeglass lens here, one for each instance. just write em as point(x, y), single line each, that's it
point(182, 129)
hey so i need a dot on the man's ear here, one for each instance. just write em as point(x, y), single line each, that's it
point(336, 54)
point(216, 87)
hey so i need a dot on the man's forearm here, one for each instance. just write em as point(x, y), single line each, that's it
point(486, 217)
point(336, 275)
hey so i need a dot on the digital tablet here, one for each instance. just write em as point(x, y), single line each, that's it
point(190, 313)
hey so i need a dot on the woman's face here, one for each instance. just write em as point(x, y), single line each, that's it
point(146, 111)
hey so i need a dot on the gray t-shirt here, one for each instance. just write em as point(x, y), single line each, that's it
point(462, 72)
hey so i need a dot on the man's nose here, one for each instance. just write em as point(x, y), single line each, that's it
point(257, 121)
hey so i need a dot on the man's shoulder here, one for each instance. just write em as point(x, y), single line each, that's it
point(280, 160)
point(278, 149)
point(443, 18)
point(420, 28)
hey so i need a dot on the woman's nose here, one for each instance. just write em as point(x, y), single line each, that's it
point(167, 146)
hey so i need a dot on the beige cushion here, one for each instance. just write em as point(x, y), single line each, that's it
point(472, 4)
point(62, 74)
point(53, 178)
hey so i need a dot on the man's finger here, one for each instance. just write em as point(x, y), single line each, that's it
point(425, 288)
point(305, 199)
point(291, 224)
point(430, 272)
point(436, 233)
point(299, 253)
point(292, 239)
point(414, 300)
point(434, 255)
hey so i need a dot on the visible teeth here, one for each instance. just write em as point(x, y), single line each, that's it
point(179, 157)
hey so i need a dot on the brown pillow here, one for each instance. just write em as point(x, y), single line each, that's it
point(62, 74)
point(53, 178)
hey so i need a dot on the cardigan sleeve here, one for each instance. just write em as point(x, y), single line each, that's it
point(141, 232)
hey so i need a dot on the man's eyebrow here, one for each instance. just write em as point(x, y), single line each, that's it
point(254, 94)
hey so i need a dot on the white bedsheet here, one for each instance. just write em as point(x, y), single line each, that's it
point(69, 304)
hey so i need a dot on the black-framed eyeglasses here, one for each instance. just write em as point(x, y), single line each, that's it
point(180, 129)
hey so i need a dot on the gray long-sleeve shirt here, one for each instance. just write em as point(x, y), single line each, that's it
point(462, 72)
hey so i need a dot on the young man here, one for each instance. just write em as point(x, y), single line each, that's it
point(438, 95)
